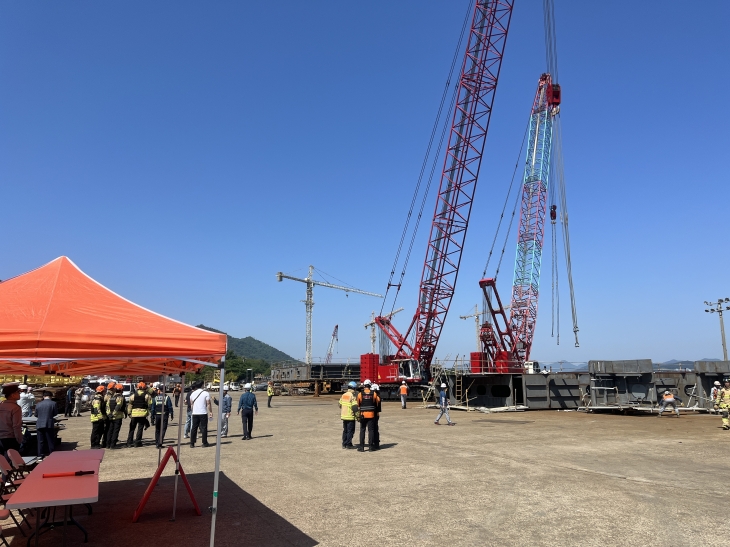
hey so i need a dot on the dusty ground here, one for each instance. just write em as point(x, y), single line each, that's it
point(531, 478)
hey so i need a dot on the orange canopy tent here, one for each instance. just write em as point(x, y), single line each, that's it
point(58, 320)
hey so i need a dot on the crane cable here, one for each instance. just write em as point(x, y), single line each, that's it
point(416, 192)
point(551, 58)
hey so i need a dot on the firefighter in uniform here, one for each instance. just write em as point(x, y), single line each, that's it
point(367, 402)
point(348, 414)
point(116, 411)
point(722, 402)
point(138, 409)
point(161, 410)
point(107, 421)
point(98, 415)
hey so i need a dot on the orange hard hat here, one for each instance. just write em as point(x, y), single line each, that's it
point(100, 389)
point(118, 386)
point(140, 385)
point(111, 385)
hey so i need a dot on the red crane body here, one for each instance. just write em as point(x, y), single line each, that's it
point(470, 123)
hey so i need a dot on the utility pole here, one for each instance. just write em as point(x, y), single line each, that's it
point(309, 302)
point(476, 316)
point(718, 308)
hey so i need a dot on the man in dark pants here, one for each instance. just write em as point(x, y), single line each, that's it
point(69, 401)
point(116, 411)
point(269, 393)
point(202, 410)
point(45, 426)
point(107, 420)
point(161, 410)
point(246, 405)
point(348, 414)
point(98, 415)
point(138, 409)
point(367, 402)
point(376, 421)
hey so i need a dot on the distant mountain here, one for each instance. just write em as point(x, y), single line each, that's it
point(251, 348)
point(565, 366)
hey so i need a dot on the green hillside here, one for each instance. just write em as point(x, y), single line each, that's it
point(251, 348)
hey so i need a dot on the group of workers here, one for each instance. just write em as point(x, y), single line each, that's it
point(146, 406)
point(365, 405)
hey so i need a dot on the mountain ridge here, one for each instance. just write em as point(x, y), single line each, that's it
point(251, 348)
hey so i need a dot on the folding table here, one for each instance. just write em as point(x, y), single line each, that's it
point(38, 492)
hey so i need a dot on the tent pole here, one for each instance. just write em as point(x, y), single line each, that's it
point(214, 508)
point(179, 440)
point(159, 450)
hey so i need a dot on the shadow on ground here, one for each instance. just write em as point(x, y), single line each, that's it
point(241, 519)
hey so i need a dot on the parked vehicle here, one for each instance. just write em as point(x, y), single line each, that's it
point(235, 386)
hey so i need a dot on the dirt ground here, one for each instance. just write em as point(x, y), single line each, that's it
point(529, 478)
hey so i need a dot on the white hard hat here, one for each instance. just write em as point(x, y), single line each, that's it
point(403, 382)
point(375, 387)
point(443, 385)
point(22, 386)
point(666, 392)
point(367, 383)
point(247, 386)
point(717, 383)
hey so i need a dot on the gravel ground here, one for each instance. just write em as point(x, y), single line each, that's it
point(530, 478)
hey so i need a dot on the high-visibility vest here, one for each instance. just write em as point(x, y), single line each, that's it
point(96, 414)
point(723, 397)
point(115, 407)
point(668, 396)
point(269, 391)
point(367, 401)
point(403, 390)
point(348, 405)
point(139, 404)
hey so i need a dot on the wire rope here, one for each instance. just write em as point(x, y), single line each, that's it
point(423, 169)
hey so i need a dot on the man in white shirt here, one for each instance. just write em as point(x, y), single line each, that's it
point(202, 410)
point(27, 401)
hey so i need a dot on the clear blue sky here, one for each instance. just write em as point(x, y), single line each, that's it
point(184, 152)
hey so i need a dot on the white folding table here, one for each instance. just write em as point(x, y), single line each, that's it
point(38, 492)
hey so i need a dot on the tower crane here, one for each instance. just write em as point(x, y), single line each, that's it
point(309, 301)
point(462, 161)
point(328, 359)
point(477, 316)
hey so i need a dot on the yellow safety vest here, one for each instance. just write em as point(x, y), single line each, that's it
point(348, 405)
point(118, 412)
point(96, 414)
point(140, 411)
point(269, 391)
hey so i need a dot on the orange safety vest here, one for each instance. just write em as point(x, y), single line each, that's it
point(404, 390)
point(668, 396)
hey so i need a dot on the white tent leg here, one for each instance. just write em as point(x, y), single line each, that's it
point(181, 416)
point(214, 508)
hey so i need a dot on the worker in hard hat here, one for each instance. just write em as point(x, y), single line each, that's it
point(669, 399)
point(403, 392)
point(98, 415)
point(367, 402)
point(247, 407)
point(716, 387)
point(26, 401)
point(269, 393)
point(108, 394)
point(443, 406)
point(162, 411)
point(116, 411)
point(138, 408)
point(349, 414)
point(722, 403)
point(376, 420)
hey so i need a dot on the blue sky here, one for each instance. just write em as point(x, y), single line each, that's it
point(184, 152)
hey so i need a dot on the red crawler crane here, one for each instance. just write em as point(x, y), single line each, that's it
point(470, 123)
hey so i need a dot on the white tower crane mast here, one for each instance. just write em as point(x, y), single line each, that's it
point(372, 324)
point(309, 302)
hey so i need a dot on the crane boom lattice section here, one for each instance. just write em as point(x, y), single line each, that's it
point(472, 113)
point(533, 208)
